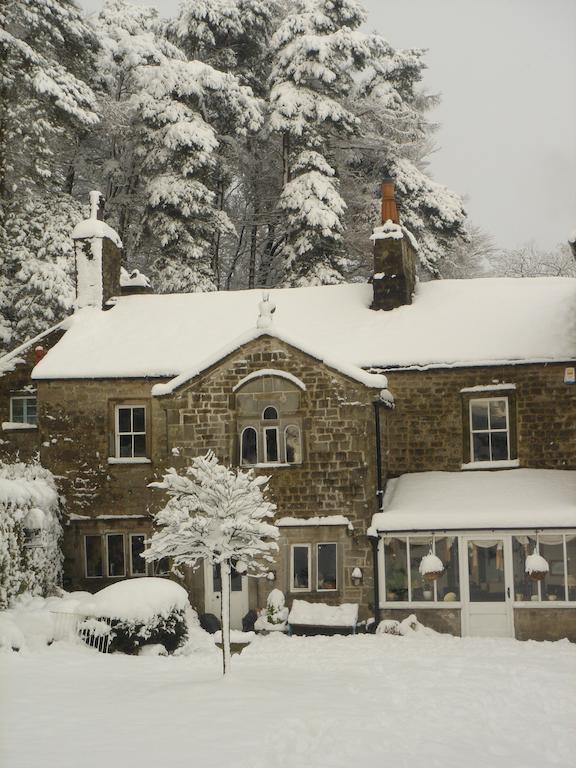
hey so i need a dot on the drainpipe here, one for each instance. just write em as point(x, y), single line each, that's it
point(374, 540)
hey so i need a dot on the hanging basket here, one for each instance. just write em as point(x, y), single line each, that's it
point(538, 575)
point(433, 575)
point(536, 567)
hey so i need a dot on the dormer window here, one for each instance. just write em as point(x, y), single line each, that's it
point(269, 424)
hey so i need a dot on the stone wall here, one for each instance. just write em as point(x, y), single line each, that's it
point(445, 620)
point(545, 623)
point(337, 474)
point(427, 429)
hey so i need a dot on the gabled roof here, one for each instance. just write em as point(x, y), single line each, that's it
point(450, 323)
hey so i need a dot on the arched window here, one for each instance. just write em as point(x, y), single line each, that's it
point(292, 444)
point(270, 413)
point(249, 446)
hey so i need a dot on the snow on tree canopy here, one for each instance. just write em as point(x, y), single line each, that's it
point(137, 599)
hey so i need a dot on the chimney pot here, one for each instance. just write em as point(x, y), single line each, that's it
point(389, 208)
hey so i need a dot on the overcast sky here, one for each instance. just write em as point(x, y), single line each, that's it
point(506, 70)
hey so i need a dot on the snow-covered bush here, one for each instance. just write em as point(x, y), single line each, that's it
point(274, 617)
point(30, 531)
point(149, 611)
point(408, 626)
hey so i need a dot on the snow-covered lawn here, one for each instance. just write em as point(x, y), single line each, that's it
point(297, 702)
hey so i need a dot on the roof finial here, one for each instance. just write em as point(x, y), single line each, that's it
point(266, 309)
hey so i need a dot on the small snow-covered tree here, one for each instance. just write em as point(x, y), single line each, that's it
point(531, 261)
point(219, 515)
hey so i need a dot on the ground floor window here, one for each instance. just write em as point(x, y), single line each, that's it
point(559, 550)
point(402, 579)
point(314, 567)
point(107, 555)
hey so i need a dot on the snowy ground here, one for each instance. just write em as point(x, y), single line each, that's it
point(294, 702)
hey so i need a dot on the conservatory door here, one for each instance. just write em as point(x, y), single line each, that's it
point(487, 586)
point(238, 595)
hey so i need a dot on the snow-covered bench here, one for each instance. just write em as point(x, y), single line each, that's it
point(321, 619)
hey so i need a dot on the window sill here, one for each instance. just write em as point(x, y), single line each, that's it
point(9, 426)
point(507, 464)
point(545, 604)
point(137, 460)
point(403, 605)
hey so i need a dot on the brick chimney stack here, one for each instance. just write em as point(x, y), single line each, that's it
point(98, 258)
point(394, 277)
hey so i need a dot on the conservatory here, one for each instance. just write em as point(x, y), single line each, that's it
point(480, 553)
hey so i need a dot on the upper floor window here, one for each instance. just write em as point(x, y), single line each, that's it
point(269, 420)
point(489, 429)
point(23, 410)
point(130, 431)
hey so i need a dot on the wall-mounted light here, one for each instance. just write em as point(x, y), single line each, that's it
point(271, 575)
point(357, 576)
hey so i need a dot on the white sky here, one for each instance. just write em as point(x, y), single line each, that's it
point(506, 70)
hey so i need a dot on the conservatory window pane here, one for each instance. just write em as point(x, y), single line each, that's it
point(235, 579)
point(293, 446)
point(421, 588)
point(448, 585)
point(571, 556)
point(248, 448)
point(137, 563)
point(525, 588)
point(116, 565)
point(301, 567)
point(271, 437)
point(486, 571)
point(396, 569)
point(552, 549)
point(93, 547)
point(327, 557)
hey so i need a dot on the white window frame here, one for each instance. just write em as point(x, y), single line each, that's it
point(285, 444)
point(310, 580)
point(542, 603)
point(24, 409)
point(323, 544)
point(124, 573)
point(489, 431)
point(132, 573)
point(242, 462)
point(117, 433)
point(434, 603)
point(278, 460)
point(104, 560)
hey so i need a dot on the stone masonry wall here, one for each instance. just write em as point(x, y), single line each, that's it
point(427, 429)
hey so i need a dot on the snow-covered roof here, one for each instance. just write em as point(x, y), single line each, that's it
point(449, 323)
point(517, 498)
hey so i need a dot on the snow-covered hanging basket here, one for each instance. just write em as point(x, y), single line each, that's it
point(431, 567)
point(536, 567)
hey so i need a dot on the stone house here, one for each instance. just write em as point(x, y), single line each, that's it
point(396, 419)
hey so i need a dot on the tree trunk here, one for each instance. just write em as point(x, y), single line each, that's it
point(216, 254)
point(253, 246)
point(225, 599)
point(285, 159)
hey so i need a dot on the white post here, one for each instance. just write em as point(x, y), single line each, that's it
point(225, 574)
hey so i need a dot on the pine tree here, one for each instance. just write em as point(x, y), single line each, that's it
point(317, 50)
point(181, 106)
point(218, 515)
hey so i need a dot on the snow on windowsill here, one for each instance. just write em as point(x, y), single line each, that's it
point(488, 387)
point(136, 460)
point(76, 517)
point(293, 522)
point(7, 426)
point(506, 464)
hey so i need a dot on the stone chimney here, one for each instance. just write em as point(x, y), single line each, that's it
point(98, 258)
point(394, 275)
